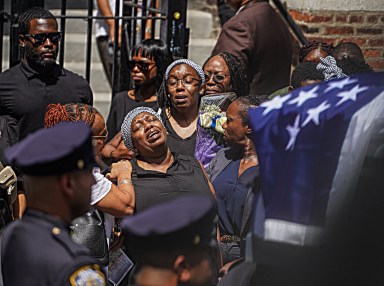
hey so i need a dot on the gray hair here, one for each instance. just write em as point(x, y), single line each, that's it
point(126, 126)
point(192, 64)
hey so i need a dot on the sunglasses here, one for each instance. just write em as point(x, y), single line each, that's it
point(40, 39)
point(216, 77)
point(142, 66)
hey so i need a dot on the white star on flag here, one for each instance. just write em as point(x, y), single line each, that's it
point(314, 113)
point(276, 103)
point(350, 94)
point(304, 96)
point(293, 132)
point(340, 83)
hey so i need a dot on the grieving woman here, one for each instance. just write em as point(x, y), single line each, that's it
point(155, 174)
point(183, 86)
point(233, 173)
point(224, 73)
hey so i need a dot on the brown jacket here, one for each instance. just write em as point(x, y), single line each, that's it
point(260, 38)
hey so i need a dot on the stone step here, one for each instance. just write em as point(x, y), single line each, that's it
point(76, 49)
point(200, 49)
point(74, 59)
point(102, 102)
point(199, 22)
point(98, 80)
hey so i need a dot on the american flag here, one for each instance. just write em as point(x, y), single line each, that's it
point(311, 145)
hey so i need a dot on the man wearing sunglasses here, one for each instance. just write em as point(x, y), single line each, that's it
point(29, 87)
point(37, 81)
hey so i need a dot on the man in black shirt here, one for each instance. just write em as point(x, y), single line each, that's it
point(27, 88)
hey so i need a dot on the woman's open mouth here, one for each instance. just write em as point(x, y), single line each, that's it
point(181, 99)
point(153, 135)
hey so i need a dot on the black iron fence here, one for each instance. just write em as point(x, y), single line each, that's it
point(169, 15)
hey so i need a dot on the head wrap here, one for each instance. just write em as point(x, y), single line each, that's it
point(192, 64)
point(329, 68)
point(126, 126)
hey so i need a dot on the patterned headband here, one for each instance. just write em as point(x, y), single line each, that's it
point(126, 126)
point(192, 64)
point(329, 68)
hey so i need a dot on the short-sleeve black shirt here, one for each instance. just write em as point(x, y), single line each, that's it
point(184, 177)
point(25, 94)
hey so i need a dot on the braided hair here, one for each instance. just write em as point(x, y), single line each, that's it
point(71, 112)
point(305, 71)
point(311, 46)
point(239, 80)
point(30, 14)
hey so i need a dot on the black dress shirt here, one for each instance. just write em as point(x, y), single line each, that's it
point(25, 94)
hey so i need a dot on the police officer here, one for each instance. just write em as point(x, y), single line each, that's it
point(173, 243)
point(57, 166)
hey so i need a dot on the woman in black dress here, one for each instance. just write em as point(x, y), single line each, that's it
point(179, 100)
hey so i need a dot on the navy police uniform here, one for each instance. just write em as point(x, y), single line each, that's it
point(184, 223)
point(37, 250)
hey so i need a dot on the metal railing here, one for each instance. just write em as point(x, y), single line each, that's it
point(146, 14)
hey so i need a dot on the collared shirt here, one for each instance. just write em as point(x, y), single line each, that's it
point(25, 94)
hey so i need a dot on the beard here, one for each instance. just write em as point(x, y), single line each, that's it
point(38, 60)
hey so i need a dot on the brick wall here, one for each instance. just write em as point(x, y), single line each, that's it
point(366, 29)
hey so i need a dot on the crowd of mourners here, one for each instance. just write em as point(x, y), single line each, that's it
point(150, 161)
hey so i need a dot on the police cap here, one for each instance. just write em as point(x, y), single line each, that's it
point(60, 149)
point(185, 222)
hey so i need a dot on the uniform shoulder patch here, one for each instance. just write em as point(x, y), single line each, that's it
point(88, 275)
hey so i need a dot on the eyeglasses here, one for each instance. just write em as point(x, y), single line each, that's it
point(186, 81)
point(142, 66)
point(216, 77)
point(40, 39)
